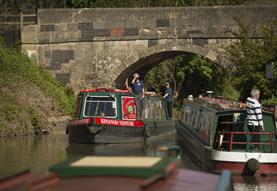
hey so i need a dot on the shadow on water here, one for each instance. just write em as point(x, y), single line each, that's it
point(38, 153)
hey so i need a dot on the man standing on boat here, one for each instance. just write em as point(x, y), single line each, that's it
point(169, 99)
point(138, 89)
point(254, 115)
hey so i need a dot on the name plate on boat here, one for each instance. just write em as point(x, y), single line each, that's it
point(105, 121)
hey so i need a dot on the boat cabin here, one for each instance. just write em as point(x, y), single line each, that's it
point(119, 105)
point(106, 115)
point(222, 125)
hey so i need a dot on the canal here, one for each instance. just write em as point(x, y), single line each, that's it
point(38, 153)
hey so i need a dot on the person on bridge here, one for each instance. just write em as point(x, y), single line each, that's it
point(254, 115)
point(169, 99)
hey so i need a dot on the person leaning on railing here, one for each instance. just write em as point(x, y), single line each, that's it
point(254, 115)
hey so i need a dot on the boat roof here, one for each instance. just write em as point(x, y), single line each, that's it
point(104, 90)
point(114, 90)
point(216, 104)
point(126, 173)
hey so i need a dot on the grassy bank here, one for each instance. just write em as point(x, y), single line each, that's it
point(28, 94)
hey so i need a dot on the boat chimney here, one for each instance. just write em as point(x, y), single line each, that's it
point(209, 93)
point(190, 97)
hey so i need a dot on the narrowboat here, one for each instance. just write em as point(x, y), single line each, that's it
point(215, 135)
point(116, 116)
point(100, 173)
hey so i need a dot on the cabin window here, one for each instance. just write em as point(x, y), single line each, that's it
point(100, 106)
point(147, 113)
point(153, 108)
point(186, 115)
point(157, 109)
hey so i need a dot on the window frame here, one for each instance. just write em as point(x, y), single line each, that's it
point(111, 117)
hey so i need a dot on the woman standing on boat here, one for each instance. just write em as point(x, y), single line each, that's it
point(254, 115)
point(169, 99)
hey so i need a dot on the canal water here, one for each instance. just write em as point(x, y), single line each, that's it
point(38, 153)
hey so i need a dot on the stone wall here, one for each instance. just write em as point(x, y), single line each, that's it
point(93, 47)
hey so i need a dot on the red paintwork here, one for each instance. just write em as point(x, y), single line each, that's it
point(14, 181)
point(128, 102)
point(232, 133)
point(83, 121)
point(176, 181)
point(104, 90)
point(238, 167)
point(120, 123)
point(106, 121)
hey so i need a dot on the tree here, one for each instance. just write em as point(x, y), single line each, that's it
point(250, 55)
point(189, 74)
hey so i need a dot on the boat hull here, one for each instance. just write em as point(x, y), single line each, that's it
point(194, 148)
point(115, 134)
point(213, 160)
point(240, 167)
point(105, 134)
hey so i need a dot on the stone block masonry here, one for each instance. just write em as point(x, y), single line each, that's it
point(87, 48)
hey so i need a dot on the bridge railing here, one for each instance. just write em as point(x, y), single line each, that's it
point(17, 20)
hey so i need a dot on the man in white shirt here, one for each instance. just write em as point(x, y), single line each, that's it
point(254, 115)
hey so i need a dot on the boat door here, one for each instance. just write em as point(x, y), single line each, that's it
point(155, 116)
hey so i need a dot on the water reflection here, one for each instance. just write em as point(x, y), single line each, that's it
point(38, 153)
point(31, 152)
point(246, 183)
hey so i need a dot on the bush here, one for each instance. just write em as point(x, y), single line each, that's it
point(17, 74)
point(16, 67)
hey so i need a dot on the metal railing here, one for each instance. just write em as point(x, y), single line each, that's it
point(231, 141)
point(18, 20)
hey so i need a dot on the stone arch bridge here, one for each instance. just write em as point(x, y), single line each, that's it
point(87, 48)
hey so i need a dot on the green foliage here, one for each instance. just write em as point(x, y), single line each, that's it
point(189, 74)
point(16, 72)
point(228, 89)
point(35, 119)
point(270, 101)
point(9, 107)
point(16, 67)
point(250, 55)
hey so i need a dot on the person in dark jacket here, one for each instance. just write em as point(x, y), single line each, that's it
point(169, 99)
point(138, 90)
point(138, 87)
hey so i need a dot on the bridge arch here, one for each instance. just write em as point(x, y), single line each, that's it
point(145, 59)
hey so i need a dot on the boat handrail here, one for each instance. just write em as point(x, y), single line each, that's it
point(232, 133)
